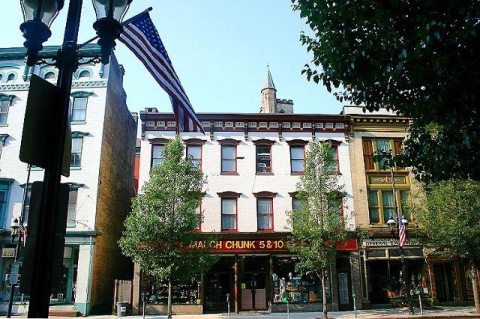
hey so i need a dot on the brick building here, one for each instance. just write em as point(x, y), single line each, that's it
point(252, 163)
point(101, 179)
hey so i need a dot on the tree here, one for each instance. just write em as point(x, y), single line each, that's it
point(418, 58)
point(160, 229)
point(449, 213)
point(318, 225)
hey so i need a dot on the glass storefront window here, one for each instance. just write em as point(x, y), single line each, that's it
point(187, 293)
point(297, 287)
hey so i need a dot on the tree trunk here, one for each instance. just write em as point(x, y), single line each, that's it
point(475, 286)
point(324, 294)
point(169, 304)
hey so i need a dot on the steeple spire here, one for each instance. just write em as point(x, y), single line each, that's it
point(268, 80)
point(268, 94)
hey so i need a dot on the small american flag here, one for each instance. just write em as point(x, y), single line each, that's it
point(402, 232)
point(142, 38)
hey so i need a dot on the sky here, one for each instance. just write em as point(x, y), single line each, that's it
point(219, 48)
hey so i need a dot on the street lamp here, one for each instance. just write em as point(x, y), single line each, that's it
point(38, 16)
point(109, 15)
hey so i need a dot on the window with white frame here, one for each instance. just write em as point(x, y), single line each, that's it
point(72, 208)
point(297, 158)
point(157, 154)
point(79, 109)
point(194, 153)
point(229, 214)
point(265, 213)
point(76, 156)
point(5, 102)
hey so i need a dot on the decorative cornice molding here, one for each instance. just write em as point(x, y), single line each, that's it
point(194, 141)
point(297, 142)
point(265, 194)
point(228, 141)
point(75, 84)
point(229, 194)
point(159, 141)
point(263, 141)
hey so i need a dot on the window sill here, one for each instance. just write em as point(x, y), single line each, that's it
point(265, 230)
point(75, 168)
point(229, 230)
point(3, 125)
point(296, 173)
point(229, 173)
point(264, 173)
point(78, 122)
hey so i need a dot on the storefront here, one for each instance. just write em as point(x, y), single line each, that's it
point(255, 272)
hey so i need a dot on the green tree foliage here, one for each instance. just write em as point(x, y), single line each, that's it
point(419, 58)
point(449, 213)
point(318, 225)
point(161, 226)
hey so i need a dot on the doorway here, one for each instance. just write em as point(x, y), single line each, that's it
point(254, 283)
point(219, 283)
point(444, 282)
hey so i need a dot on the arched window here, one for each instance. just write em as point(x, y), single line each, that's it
point(1, 77)
point(49, 76)
point(84, 75)
point(11, 77)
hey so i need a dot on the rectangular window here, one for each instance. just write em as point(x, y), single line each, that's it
point(265, 213)
point(382, 205)
point(4, 191)
point(76, 156)
point(229, 214)
point(79, 109)
point(333, 166)
point(198, 211)
point(368, 155)
point(72, 208)
point(264, 158)
point(374, 207)
point(229, 158)
point(157, 154)
point(194, 152)
point(335, 206)
point(26, 209)
point(4, 106)
point(296, 203)
point(297, 158)
point(382, 145)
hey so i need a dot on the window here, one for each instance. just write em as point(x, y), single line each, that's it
point(26, 210)
point(5, 101)
point(72, 208)
point(297, 158)
point(370, 147)
point(76, 156)
point(229, 158)
point(229, 214)
point(194, 152)
point(265, 213)
point(4, 192)
point(157, 154)
point(10, 77)
point(198, 210)
point(264, 158)
point(50, 76)
point(381, 205)
point(333, 167)
point(296, 203)
point(79, 109)
point(84, 75)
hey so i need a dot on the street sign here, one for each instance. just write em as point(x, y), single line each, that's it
point(41, 117)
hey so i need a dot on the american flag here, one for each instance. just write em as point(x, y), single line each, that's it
point(402, 232)
point(142, 38)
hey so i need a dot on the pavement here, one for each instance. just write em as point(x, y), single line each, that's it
point(394, 313)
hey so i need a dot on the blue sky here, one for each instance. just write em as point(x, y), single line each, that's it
point(219, 48)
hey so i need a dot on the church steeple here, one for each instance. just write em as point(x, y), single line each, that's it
point(268, 94)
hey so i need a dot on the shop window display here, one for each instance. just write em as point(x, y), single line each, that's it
point(186, 293)
point(294, 286)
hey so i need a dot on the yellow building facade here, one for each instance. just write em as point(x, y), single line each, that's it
point(381, 194)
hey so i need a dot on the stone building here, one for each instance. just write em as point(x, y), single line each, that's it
point(438, 279)
point(101, 179)
point(253, 162)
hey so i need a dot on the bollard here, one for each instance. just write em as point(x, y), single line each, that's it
point(354, 303)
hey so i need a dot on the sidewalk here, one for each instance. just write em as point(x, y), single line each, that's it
point(397, 313)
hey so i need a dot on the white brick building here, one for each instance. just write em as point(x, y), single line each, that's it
point(252, 163)
point(103, 150)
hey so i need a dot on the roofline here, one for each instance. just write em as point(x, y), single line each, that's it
point(245, 116)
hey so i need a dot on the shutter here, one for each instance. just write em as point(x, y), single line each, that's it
point(368, 154)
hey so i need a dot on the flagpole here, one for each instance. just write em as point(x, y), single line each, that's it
point(123, 23)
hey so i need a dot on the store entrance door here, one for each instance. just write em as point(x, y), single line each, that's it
point(219, 283)
point(444, 282)
point(254, 283)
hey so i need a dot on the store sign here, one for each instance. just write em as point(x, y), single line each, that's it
point(255, 245)
point(387, 180)
point(8, 252)
point(239, 245)
point(388, 242)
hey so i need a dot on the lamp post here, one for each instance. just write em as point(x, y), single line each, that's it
point(38, 16)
